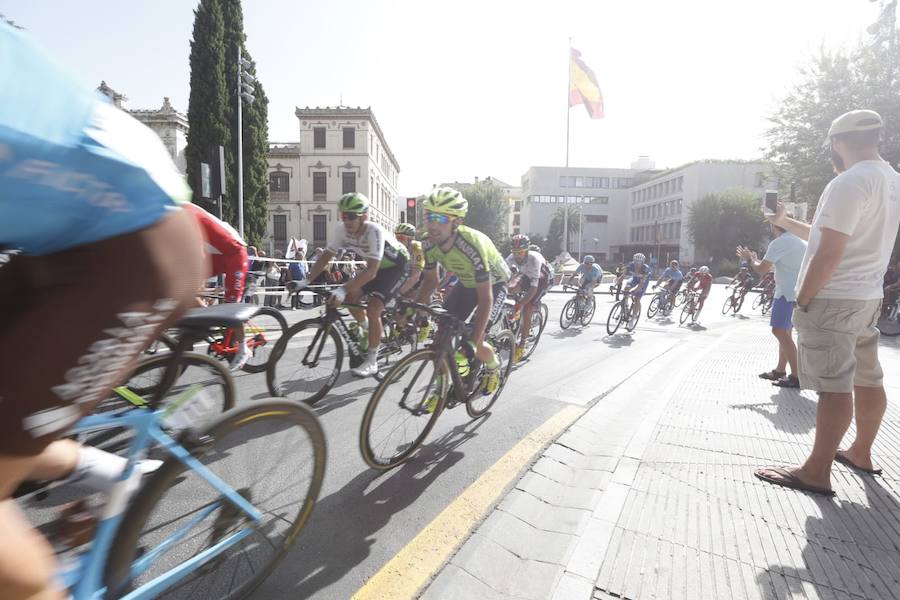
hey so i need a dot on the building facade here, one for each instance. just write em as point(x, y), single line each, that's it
point(341, 150)
point(513, 196)
point(633, 210)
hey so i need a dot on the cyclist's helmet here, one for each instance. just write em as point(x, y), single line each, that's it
point(520, 242)
point(704, 269)
point(693, 269)
point(588, 260)
point(405, 229)
point(535, 248)
point(674, 263)
point(639, 258)
point(354, 202)
point(446, 201)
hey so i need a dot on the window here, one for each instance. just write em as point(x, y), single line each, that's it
point(318, 137)
point(279, 231)
point(320, 237)
point(279, 181)
point(566, 181)
point(604, 182)
point(516, 222)
point(517, 205)
point(348, 182)
point(579, 182)
point(349, 138)
point(320, 184)
point(595, 218)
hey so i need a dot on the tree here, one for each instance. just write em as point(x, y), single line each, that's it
point(208, 100)
point(255, 131)
point(488, 209)
point(720, 222)
point(835, 82)
point(555, 232)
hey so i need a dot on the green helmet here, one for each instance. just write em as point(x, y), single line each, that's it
point(446, 201)
point(405, 229)
point(353, 203)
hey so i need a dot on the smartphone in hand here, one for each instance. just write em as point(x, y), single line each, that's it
point(770, 202)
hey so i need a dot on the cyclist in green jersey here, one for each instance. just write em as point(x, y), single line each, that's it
point(481, 270)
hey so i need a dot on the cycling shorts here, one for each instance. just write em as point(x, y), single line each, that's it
point(388, 281)
point(462, 301)
point(73, 324)
point(643, 286)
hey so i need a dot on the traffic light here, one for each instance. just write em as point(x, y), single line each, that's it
point(411, 211)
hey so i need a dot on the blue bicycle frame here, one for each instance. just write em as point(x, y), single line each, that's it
point(84, 576)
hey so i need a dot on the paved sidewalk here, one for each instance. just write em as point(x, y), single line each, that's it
point(651, 494)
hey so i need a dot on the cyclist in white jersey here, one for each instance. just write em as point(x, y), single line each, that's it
point(534, 281)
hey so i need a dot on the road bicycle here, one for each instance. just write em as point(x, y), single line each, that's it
point(735, 300)
point(621, 314)
point(691, 308)
point(579, 309)
point(889, 321)
point(763, 300)
point(407, 403)
point(309, 357)
point(660, 304)
point(513, 322)
point(218, 515)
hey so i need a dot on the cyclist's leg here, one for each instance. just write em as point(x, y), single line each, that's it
point(235, 280)
point(111, 299)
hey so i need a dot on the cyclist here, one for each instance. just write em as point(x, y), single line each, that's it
point(91, 200)
point(590, 272)
point(743, 280)
point(767, 283)
point(406, 235)
point(672, 278)
point(639, 273)
point(386, 260)
point(481, 271)
point(533, 284)
point(228, 254)
point(702, 281)
point(620, 277)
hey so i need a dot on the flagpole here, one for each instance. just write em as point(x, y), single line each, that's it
point(568, 108)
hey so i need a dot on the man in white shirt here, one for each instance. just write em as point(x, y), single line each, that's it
point(785, 254)
point(838, 301)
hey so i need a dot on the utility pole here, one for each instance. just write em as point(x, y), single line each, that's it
point(244, 93)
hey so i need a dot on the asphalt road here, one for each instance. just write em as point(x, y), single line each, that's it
point(363, 517)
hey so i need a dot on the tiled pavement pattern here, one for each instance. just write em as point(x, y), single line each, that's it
point(651, 494)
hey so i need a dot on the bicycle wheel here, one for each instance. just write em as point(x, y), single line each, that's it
point(545, 310)
point(614, 320)
point(759, 302)
point(534, 333)
point(738, 303)
point(272, 453)
point(477, 403)
point(306, 362)
point(567, 316)
point(261, 333)
point(888, 327)
point(767, 305)
point(397, 420)
point(727, 306)
point(685, 312)
point(588, 313)
point(633, 321)
point(653, 307)
point(680, 298)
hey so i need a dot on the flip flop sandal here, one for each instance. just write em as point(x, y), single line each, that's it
point(788, 480)
point(838, 457)
point(772, 375)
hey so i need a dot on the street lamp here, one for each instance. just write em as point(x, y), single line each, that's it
point(245, 90)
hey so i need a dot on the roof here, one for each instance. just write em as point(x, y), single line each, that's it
point(709, 161)
point(345, 112)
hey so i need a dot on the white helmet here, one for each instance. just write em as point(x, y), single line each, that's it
point(704, 269)
point(639, 258)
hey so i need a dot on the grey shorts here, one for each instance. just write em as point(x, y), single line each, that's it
point(838, 345)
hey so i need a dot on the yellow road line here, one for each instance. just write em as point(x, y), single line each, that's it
point(414, 566)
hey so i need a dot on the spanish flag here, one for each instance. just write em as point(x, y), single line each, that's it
point(583, 87)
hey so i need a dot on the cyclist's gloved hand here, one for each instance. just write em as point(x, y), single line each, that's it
point(338, 295)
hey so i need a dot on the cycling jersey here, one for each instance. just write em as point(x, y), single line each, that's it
point(702, 281)
point(473, 258)
point(673, 274)
point(226, 249)
point(638, 274)
point(73, 168)
point(594, 274)
point(535, 267)
point(375, 243)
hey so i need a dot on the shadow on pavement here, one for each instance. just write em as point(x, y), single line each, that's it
point(567, 333)
point(344, 524)
point(830, 549)
point(789, 411)
point(622, 340)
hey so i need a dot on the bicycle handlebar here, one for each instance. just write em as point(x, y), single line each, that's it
point(439, 314)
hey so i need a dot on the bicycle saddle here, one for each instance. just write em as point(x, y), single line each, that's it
point(220, 315)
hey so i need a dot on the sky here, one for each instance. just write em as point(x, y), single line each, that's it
point(476, 88)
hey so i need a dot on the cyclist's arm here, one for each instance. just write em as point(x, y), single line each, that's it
point(483, 312)
point(429, 284)
point(414, 274)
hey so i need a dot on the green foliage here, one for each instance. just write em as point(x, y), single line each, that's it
point(208, 100)
point(555, 238)
point(833, 83)
point(718, 223)
point(488, 209)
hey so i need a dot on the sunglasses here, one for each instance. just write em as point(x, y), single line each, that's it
point(520, 252)
point(346, 216)
point(437, 218)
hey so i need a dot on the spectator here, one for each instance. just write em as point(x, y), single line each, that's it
point(785, 253)
point(296, 272)
point(838, 301)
